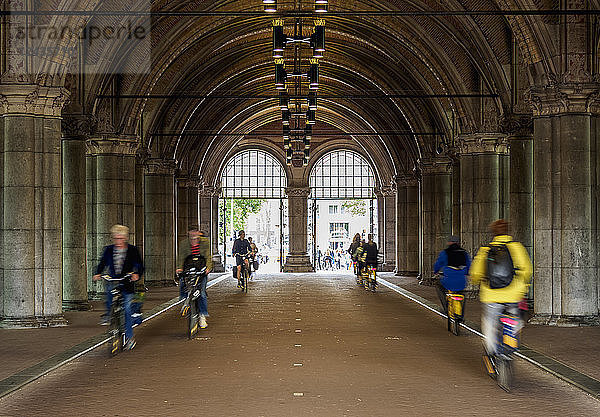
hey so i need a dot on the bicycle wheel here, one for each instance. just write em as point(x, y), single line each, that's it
point(246, 277)
point(504, 374)
point(192, 320)
point(115, 343)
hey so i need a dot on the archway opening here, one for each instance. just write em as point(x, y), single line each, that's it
point(342, 204)
point(253, 199)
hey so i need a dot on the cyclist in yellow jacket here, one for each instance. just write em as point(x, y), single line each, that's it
point(495, 297)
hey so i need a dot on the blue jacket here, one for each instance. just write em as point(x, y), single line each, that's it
point(132, 263)
point(454, 279)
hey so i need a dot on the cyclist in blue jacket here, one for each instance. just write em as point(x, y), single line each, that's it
point(453, 263)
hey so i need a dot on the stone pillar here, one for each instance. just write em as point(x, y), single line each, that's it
point(298, 259)
point(75, 131)
point(159, 227)
point(140, 163)
point(110, 191)
point(187, 206)
point(388, 241)
point(565, 204)
point(30, 206)
point(484, 183)
point(520, 143)
point(408, 226)
point(436, 211)
point(208, 208)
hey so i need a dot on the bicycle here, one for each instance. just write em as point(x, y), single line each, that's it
point(500, 366)
point(245, 273)
point(117, 316)
point(194, 272)
point(455, 302)
point(371, 283)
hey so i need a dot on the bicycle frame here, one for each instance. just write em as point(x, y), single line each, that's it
point(117, 319)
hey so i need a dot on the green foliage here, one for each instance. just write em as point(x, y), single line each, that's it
point(356, 207)
point(242, 208)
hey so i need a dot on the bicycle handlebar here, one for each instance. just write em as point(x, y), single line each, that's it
point(107, 277)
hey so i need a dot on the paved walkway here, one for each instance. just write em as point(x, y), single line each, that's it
point(296, 345)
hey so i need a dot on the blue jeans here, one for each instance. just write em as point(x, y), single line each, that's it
point(202, 301)
point(490, 323)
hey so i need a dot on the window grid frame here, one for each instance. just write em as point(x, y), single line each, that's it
point(245, 166)
point(357, 185)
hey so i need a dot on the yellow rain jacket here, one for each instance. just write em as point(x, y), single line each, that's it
point(517, 289)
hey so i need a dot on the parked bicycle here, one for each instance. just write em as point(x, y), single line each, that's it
point(500, 365)
point(117, 315)
point(193, 273)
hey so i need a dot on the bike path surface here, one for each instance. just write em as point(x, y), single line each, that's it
point(297, 345)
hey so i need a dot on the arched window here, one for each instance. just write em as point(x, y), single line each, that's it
point(341, 175)
point(253, 174)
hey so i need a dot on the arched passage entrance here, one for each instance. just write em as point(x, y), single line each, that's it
point(342, 203)
point(253, 197)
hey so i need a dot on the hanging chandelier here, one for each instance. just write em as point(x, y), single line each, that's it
point(298, 114)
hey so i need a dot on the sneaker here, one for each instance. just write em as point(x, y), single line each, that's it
point(104, 321)
point(130, 344)
point(203, 324)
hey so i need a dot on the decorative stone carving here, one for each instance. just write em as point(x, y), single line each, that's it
point(564, 98)
point(208, 191)
point(388, 191)
point(478, 143)
point(77, 126)
point(406, 180)
point(297, 192)
point(435, 166)
point(188, 182)
point(158, 166)
point(517, 124)
point(33, 100)
point(116, 146)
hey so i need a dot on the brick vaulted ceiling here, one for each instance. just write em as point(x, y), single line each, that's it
point(365, 55)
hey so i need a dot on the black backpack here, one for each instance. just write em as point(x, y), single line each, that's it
point(500, 268)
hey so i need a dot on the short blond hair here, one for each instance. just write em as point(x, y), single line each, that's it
point(119, 229)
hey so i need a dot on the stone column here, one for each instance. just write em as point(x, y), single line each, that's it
point(140, 163)
point(436, 211)
point(484, 183)
point(159, 227)
point(388, 242)
point(565, 213)
point(520, 142)
point(208, 208)
point(30, 204)
point(76, 130)
point(187, 206)
point(298, 259)
point(110, 191)
point(408, 226)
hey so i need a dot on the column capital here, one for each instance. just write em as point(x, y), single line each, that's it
point(32, 100)
point(406, 180)
point(188, 181)
point(515, 124)
point(112, 146)
point(386, 191)
point(564, 97)
point(297, 191)
point(478, 143)
point(434, 166)
point(208, 191)
point(77, 126)
point(158, 166)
